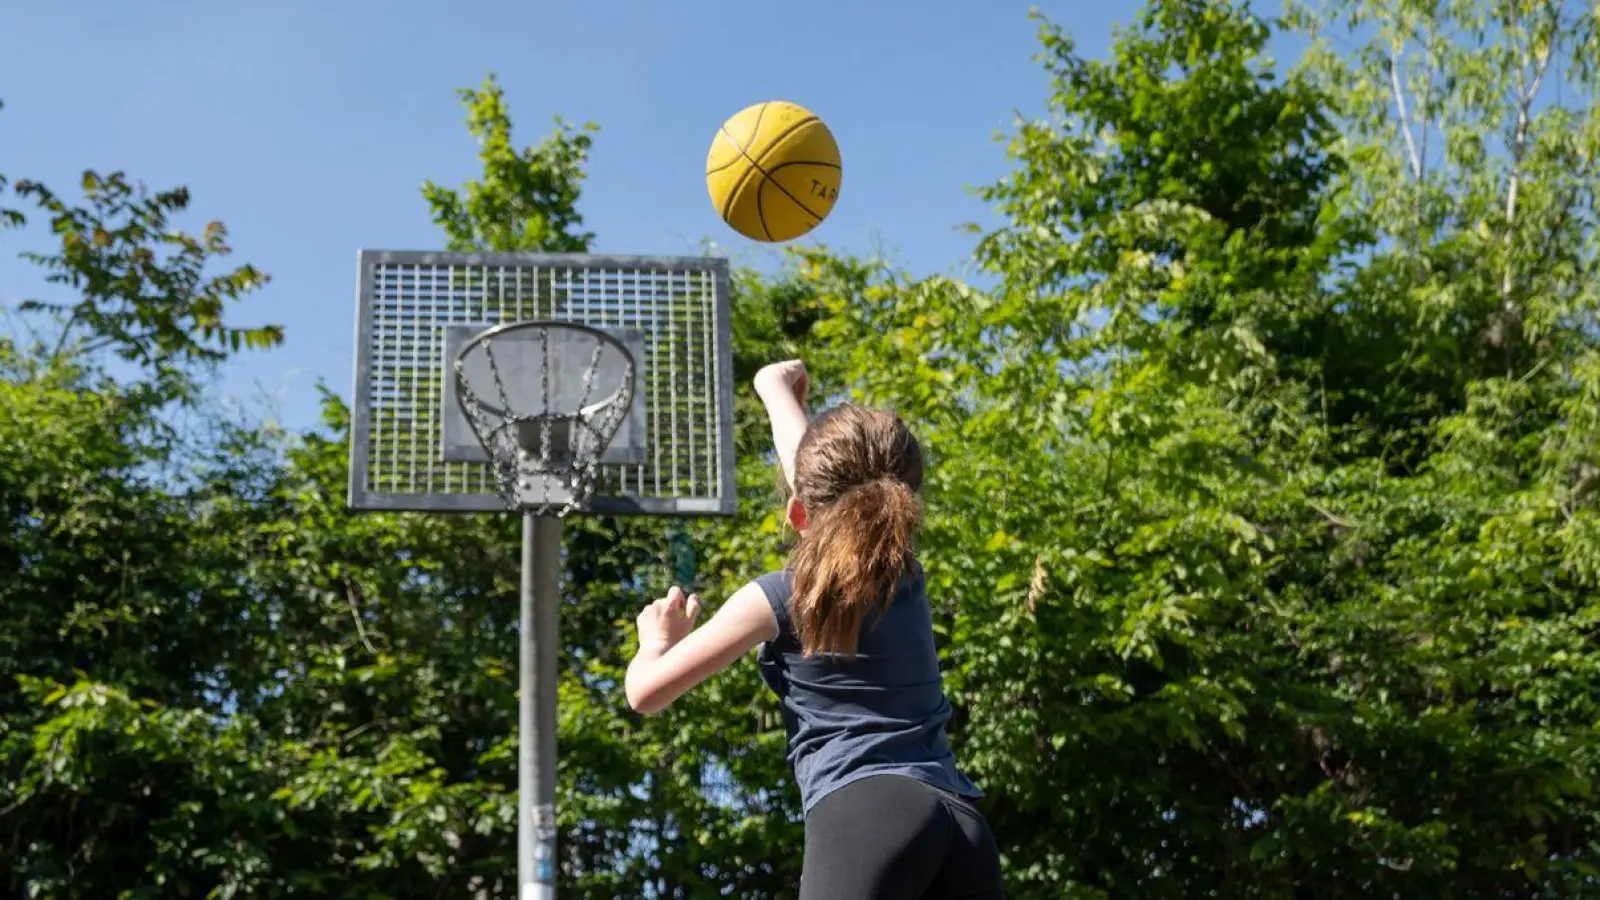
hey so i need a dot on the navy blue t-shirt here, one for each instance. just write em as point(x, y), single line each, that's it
point(882, 713)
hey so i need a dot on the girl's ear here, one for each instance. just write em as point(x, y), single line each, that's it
point(796, 513)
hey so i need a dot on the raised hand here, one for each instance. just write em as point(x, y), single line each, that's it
point(789, 375)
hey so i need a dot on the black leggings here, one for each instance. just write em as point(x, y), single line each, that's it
point(889, 837)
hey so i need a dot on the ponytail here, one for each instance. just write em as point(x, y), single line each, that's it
point(849, 561)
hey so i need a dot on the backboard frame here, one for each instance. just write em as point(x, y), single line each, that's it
point(361, 498)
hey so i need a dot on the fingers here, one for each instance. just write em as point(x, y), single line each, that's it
point(663, 613)
point(675, 603)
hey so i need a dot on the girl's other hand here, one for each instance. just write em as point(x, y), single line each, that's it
point(667, 621)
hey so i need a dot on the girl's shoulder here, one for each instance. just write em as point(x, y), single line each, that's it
point(778, 587)
point(778, 584)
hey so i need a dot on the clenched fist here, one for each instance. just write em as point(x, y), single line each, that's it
point(789, 375)
point(667, 621)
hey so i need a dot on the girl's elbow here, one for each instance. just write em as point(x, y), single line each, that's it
point(644, 701)
point(646, 706)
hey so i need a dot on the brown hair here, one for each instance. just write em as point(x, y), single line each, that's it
point(857, 472)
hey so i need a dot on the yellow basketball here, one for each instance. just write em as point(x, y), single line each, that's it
point(773, 171)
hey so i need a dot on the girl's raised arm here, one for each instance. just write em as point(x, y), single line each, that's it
point(782, 388)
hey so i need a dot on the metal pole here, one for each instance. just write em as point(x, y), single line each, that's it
point(536, 708)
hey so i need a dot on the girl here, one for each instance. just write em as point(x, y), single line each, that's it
point(846, 642)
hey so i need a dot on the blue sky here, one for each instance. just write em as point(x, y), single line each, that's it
point(309, 127)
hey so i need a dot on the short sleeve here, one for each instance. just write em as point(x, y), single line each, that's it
point(779, 587)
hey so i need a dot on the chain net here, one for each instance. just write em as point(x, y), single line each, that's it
point(545, 463)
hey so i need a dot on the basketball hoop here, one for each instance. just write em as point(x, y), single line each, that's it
point(549, 384)
point(545, 449)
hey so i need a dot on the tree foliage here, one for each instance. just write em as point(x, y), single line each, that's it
point(526, 199)
point(1261, 490)
point(1281, 580)
point(338, 709)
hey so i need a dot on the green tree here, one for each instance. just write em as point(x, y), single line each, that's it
point(122, 604)
point(679, 805)
point(526, 199)
point(1261, 521)
point(1267, 558)
point(140, 286)
point(252, 690)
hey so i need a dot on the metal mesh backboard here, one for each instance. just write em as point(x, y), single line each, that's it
point(412, 306)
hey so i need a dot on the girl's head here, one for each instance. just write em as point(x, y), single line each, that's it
point(856, 476)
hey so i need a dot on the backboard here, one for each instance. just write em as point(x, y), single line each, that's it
point(412, 447)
